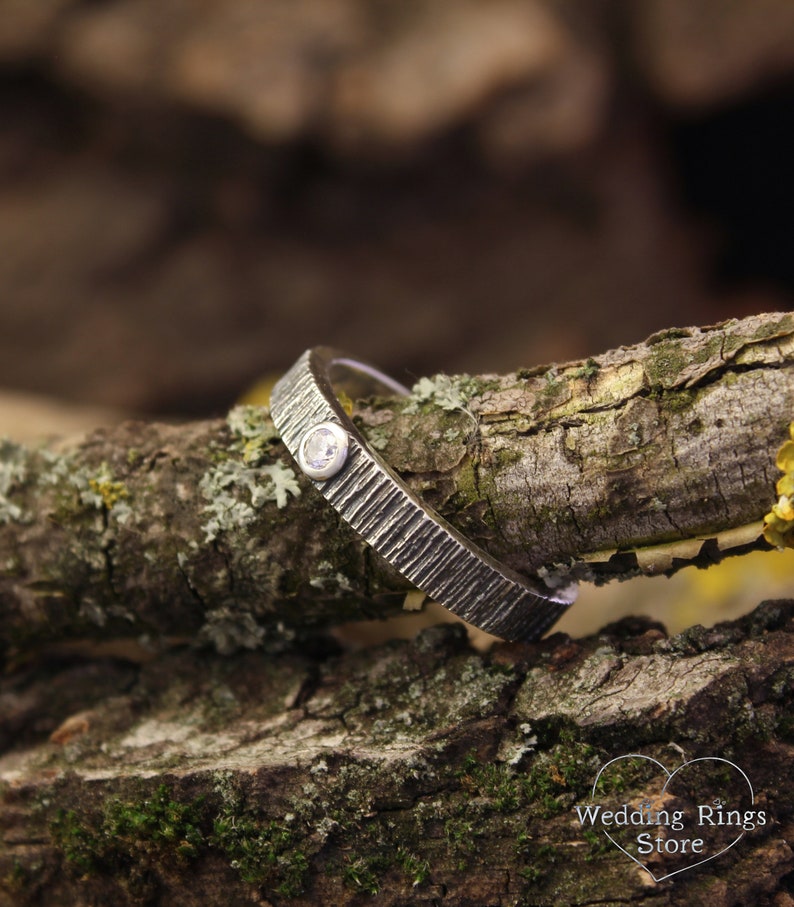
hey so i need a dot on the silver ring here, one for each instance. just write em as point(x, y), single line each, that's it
point(371, 498)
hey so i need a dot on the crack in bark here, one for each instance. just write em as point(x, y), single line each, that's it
point(652, 391)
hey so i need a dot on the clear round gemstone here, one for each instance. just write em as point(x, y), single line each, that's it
point(320, 448)
point(323, 450)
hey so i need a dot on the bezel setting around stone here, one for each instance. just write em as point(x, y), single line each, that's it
point(322, 451)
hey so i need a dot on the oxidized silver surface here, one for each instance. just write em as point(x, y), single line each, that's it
point(422, 546)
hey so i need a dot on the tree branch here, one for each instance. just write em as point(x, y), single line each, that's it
point(639, 460)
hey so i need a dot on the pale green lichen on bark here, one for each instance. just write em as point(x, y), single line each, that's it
point(235, 492)
point(329, 577)
point(81, 486)
point(237, 487)
point(450, 393)
point(13, 471)
point(214, 518)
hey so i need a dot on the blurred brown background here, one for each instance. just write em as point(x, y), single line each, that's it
point(192, 193)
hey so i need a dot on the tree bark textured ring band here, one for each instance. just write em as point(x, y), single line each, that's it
point(371, 498)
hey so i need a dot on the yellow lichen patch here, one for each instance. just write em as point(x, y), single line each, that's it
point(258, 394)
point(347, 403)
point(110, 492)
point(779, 522)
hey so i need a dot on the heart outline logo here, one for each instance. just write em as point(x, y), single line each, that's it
point(670, 775)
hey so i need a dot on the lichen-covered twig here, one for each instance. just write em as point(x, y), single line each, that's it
point(639, 460)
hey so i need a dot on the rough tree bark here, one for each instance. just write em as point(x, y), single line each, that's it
point(421, 772)
point(639, 460)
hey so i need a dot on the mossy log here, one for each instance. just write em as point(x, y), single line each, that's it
point(411, 773)
point(407, 773)
point(639, 460)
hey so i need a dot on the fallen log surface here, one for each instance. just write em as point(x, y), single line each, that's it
point(411, 773)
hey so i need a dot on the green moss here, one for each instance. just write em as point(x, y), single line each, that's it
point(680, 401)
point(332, 826)
point(460, 834)
point(134, 458)
point(494, 781)
point(267, 853)
point(262, 853)
point(713, 348)
point(370, 846)
point(785, 728)
point(666, 361)
point(554, 391)
point(625, 775)
point(134, 836)
point(598, 844)
point(362, 874)
point(531, 874)
point(507, 457)
point(589, 370)
point(79, 845)
point(467, 483)
point(539, 860)
point(559, 777)
point(555, 780)
point(770, 330)
point(417, 869)
point(146, 830)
